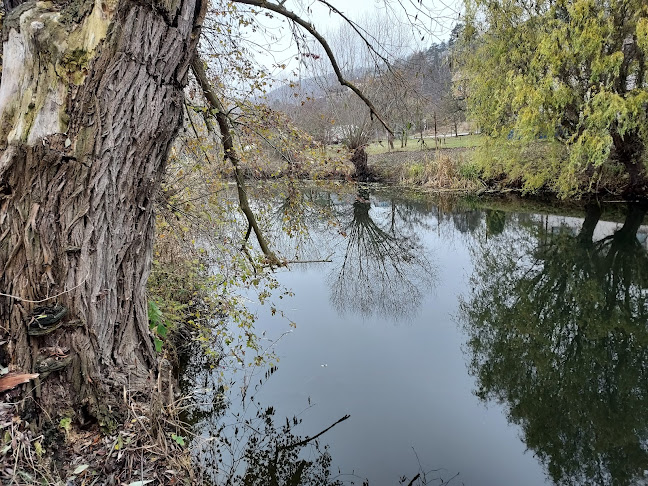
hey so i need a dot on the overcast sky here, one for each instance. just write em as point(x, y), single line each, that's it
point(435, 17)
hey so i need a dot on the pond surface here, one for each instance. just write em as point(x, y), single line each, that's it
point(481, 343)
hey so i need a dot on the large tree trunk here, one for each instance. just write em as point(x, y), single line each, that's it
point(90, 102)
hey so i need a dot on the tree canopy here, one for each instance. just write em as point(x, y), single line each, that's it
point(573, 71)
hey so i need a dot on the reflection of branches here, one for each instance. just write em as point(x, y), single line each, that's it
point(273, 457)
point(239, 441)
point(382, 271)
point(299, 219)
point(557, 331)
point(246, 444)
point(384, 266)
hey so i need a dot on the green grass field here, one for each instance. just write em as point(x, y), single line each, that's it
point(414, 144)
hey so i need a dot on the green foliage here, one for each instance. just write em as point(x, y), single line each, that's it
point(157, 325)
point(530, 166)
point(416, 170)
point(66, 424)
point(573, 71)
point(202, 277)
point(469, 170)
point(178, 439)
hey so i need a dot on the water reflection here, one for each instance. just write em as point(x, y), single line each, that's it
point(554, 324)
point(383, 269)
point(495, 221)
point(379, 266)
point(241, 441)
point(299, 217)
point(557, 326)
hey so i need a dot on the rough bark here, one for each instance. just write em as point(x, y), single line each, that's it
point(87, 116)
point(359, 161)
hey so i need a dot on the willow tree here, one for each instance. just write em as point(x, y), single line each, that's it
point(570, 70)
point(556, 333)
point(90, 102)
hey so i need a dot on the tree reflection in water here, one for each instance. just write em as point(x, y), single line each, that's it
point(299, 216)
point(558, 332)
point(243, 442)
point(384, 268)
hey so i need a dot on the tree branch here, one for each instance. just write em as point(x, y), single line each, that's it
point(218, 112)
point(310, 439)
point(281, 10)
point(358, 31)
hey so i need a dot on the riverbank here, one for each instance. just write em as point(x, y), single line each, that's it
point(545, 174)
point(441, 169)
point(148, 442)
point(146, 445)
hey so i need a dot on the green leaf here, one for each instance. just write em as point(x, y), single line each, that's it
point(162, 330)
point(155, 314)
point(66, 424)
point(178, 439)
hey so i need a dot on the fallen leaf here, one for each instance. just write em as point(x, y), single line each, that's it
point(80, 469)
point(12, 380)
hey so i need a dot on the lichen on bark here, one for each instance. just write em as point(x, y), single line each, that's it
point(40, 49)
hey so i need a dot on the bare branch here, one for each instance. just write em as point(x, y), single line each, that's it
point(280, 9)
point(218, 112)
point(310, 439)
point(361, 32)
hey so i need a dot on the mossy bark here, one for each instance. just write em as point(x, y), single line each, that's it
point(86, 123)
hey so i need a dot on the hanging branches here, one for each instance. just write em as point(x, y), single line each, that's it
point(281, 10)
point(218, 111)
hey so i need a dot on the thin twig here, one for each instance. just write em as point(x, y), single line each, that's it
point(48, 298)
point(286, 262)
point(281, 10)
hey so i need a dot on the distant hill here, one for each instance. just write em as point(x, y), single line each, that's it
point(312, 87)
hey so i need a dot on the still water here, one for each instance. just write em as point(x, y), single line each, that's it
point(471, 342)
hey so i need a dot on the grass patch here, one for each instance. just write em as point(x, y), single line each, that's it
point(438, 171)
